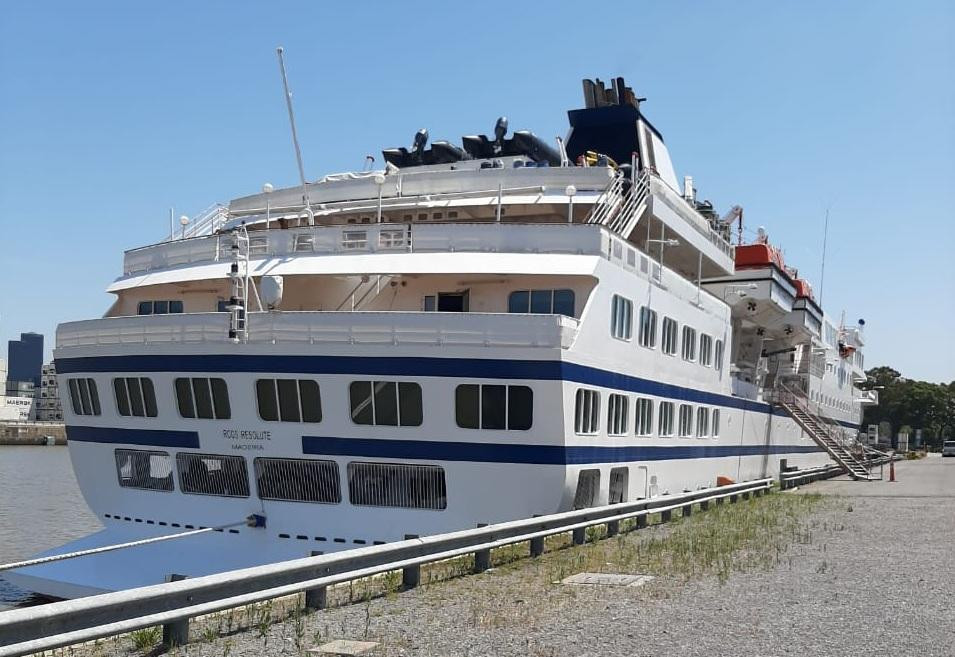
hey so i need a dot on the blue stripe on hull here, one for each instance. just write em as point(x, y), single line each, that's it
point(141, 437)
point(477, 368)
point(426, 450)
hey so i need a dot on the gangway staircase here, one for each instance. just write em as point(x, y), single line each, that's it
point(820, 429)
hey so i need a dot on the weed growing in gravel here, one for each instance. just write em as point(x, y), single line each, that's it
point(146, 638)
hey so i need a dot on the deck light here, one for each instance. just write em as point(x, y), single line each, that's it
point(570, 191)
point(183, 221)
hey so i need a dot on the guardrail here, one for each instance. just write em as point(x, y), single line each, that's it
point(59, 624)
point(792, 478)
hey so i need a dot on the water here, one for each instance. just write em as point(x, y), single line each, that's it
point(40, 507)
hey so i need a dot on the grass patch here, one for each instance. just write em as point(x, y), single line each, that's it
point(145, 638)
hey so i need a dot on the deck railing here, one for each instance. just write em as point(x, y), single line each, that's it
point(328, 327)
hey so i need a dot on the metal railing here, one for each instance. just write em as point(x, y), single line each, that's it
point(46, 627)
point(204, 223)
point(792, 478)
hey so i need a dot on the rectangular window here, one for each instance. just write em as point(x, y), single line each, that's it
point(143, 469)
point(617, 411)
point(669, 336)
point(144, 308)
point(397, 485)
point(718, 356)
point(212, 474)
point(702, 422)
point(84, 397)
point(544, 302)
point(430, 303)
point(716, 423)
point(666, 419)
point(494, 407)
point(204, 398)
point(160, 307)
point(289, 400)
point(644, 423)
point(706, 350)
point(135, 397)
point(385, 403)
point(648, 327)
point(686, 421)
point(689, 343)
point(298, 480)
point(619, 480)
point(587, 411)
point(621, 317)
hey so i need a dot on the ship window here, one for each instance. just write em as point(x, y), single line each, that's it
point(706, 350)
point(587, 411)
point(619, 478)
point(161, 307)
point(648, 327)
point(494, 407)
point(666, 419)
point(689, 343)
point(588, 488)
point(429, 303)
point(84, 396)
point(290, 400)
point(143, 469)
point(145, 308)
point(718, 356)
point(385, 403)
point(702, 422)
point(621, 317)
point(669, 336)
point(543, 302)
point(617, 411)
point(716, 423)
point(303, 242)
point(135, 396)
point(686, 421)
point(204, 398)
point(397, 485)
point(298, 480)
point(644, 423)
point(453, 302)
point(354, 239)
point(212, 474)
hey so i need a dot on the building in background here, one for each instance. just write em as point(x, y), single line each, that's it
point(25, 358)
point(15, 407)
point(47, 400)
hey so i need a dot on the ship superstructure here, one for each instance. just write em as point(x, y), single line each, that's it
point(472, 334)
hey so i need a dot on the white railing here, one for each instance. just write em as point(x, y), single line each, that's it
point(683, 208)
point(204, 223)
point(321, 327)
point(58, 624)
point(375, 238)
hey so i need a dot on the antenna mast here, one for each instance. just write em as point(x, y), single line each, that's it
point(822, 274)
point(298, 151)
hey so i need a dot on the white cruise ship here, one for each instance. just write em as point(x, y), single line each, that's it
point(471, 334)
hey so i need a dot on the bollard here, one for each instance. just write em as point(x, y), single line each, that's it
point(175, 633)
point(580, 536)
point(316, 598)
point(410, 575)
point(666, 516)
point(482, 558)
point(892, 470)
point(613, 528)
point(642, 521)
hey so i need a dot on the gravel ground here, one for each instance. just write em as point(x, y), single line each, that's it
point(864, 576)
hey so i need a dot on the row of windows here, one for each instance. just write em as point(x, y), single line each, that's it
point(701, 350)
point(691, 420)
point(290, 480)
point(159, 307)
point(377, 403)
point(830, 401)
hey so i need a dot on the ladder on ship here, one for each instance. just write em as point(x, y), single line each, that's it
point(621, 204)
point(821, 429)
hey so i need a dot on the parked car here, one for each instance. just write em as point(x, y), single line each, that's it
point(948, 448)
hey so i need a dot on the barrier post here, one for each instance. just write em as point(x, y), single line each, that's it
point(613, 528)
point(580, 536)
point(537, 544)
point(642, 520)
point(666, 515)
point(783, 463)
point(175, 633)
point(410, 575)
point(316, 598)
point(482, 558)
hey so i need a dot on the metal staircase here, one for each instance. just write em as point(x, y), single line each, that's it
point(821, 429)
point(620, 208)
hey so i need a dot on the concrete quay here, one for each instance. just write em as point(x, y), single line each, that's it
point(32, 433)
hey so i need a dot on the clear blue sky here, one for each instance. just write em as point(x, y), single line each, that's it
point(110, 113)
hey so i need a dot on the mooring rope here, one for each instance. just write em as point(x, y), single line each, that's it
point(117, 546)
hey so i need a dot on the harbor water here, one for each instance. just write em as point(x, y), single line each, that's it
point(40, 507)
